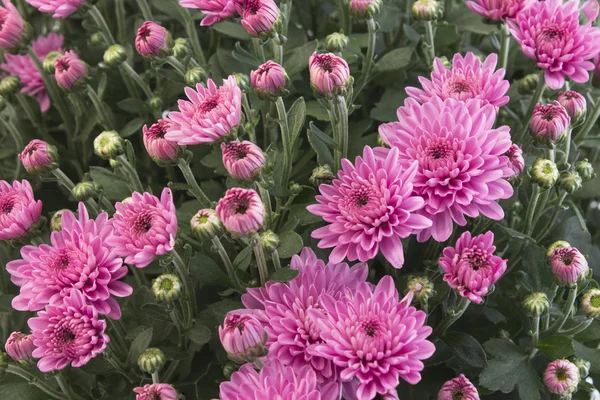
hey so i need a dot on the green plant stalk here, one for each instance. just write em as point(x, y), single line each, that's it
point(33, 118)
point(451, 318)
point(137, 79)
point(102, 25)
point(568, 145)
point(105, 119)
point(248, 111)
point(266, 198)
point(277, 52)
point(535, 196)
point(557, 208)
point(261, 261)
point(195, 189)
point(286, 9)
point(430, 40)
point(577, 328)
point(227, 262)
point(345, 19)
point(64, 386)
point(139, 276)
point(14, 133)
point(155, 378)
point(558, 324)
point(286, 141)
point(33, 380)
point(535, 335)
point(589, 123)
point(259, 51)
point(175, 63)
point(120, 13)
point(505, 47)
point(537, 95)
point(69, 185)
point(368, 63)
point(339, 123)
point(276, 259)
point(131, 174)
point(190, 28)
point(145, 9)
point(181, 269)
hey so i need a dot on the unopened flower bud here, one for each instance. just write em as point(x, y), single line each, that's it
point(364, 9)
point(49, 61)
point(39, 157)
point(205, 225)
point(568, 265)
point(153, 41)
point(590, 303)
point(56, 220)
point(427, 10)
point(243, 160)
point(585, 169)
point(167, 288)
point(108, 144)
point(229, 368)
point(86, 190)
point(295, 188)
point(329, 74)
point(161, 150)
point(155, 103)
point(421, 287)
point(447, 63)
point(269, 241)
point(114, 164)
point(243, 81)
point(561, 377)
point(544, 173)
point(536, 304)
point(20, 347)
point(96, 39)
point(336, 42)
point(569, 181)
point(549, 123)
point(10, 85)
point(181, 48)
point(195, 75)
point(115, 55)
point(261, 20)
point(574, 103)
point(269, 81)
point(243, 336)
point(151, 360)
point(583, 366)
point(559, 244)
point(70, 71)
point(322, 175)
point(528, 84)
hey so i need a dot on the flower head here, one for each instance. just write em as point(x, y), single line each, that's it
point(329, 74)
point(551, 34)
point(206, 225)
point(536, 304)
point(336, 42)
point(516, 162)
point(212, 114)
point(20, 346)
point(259, 17)
point(70, 71)
point(39, 157)
point(56, 220)
point(243, 160)
point(590, 303)
point(214, 10)
point(585, 169)
point(153, 40)
point(568, 265)
point(151, 360)
point(574, 103)
point(167, 288)
point(19, 211)
point(115, 55)
point(369, 208)
point(421, 288)
point(544, 173)
point(499, 10)
point(60, 8)
point(269, 80)
point(108, 145)
point(243, 336)
point(12, 27)
point(549, 123)
point(156, 391)
point(561, 377)
point(365, 8)
point(241, 211)
point(458, 388)
point(468, 78)
point(67, 332)
point(461, 160)
point(471, 268)
point(427, 10)
point(158, 147)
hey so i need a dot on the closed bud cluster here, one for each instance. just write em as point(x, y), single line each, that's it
point(108, 145)
point(86, 190)
point(10, 85)
point(583, 366)
point(585, 169)
point(151, 360)
point(536, 304)
point(336, 42)
point(181, 48)
point(56, 220)
point(167, 288)
point(421, 287)
point(269, 241)
point(115, 55)
point(322, 175)
point(50, 60)
point(569, 181)
point(155, 103)
point(427, 10)
point(205, 225)
point(195, 75)
point(96, 40)
point(544, 173)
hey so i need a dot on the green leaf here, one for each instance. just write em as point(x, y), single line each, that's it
point(317, 140)
point(536, 276)
point(199, 334)
point(244, 56)
point(386, 109)
point(206, 271)
point(315, 110)
point(466, 348)
point(557, 347)
point(140, 343)
point(588, 354)
point(157, 312)
point(304, 217)
point(131, 127)
point(515, 234)
point(296, 118)
point(296, 60)
point(231, 29)
point(221, 308)
point(5, 303)
point(394, 60)
point(243, 259)
point(284, 275)
point(132, 106)
point(466, 20)
point(112, 184)
point(20, 390)
point(290, 244)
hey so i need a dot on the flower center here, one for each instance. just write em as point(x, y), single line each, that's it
point(7, 204)
point(439, 150)
point(166, 285)
point(236, 322)
point(326, 62)
point(210, 104)
point(595, 301)
point(144, 32)
point(460, 86)
point(567, 257)
point(476, 257)
point(236, 150)
point(252, 6)
point(241, 207)
point(458, 394)
point(31, 149)
point(61, 260)
point(62, 65)
point(142, 223)
point(371, 328)
point(561, 374)
point(158, 130)
point(360, 197)
point(552, 32)
point(63, 337)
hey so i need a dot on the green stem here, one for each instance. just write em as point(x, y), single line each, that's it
point(277, 52)
point(266, 198)
point(102, 25)
point(131, 174)
point(558, 324)
point(505, 47)
point(139, 276)
point(195, 189)
point(137, 79)
point(345, 19)
point(249, 114)
point(31, 115)
point(534, 100)
point(261, 261)
point(276, 259)
point(145, 9)
point(69, 185)
point(35, 381)
point(105, 119)
point(568, 144)
point(582, 326)
point(430, 40)
point(286, 9)
point(120, 12)
point(368, 63)
point(589, 123)
point(535, 335)
point(155, 378)
point(14, 132)
point(64, 386)
point(451, 318)
point(557, 208)
point(190, 28)
point(259, 52)
point(175, 63)
point(535, 195)
point(181, 269)
point(339, 122)
point(286, 140)
point(227, 262)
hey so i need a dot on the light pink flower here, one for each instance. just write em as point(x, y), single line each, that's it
point(269, 80)
point(22, 66)
point(38, 157)
point(458, 388)
point(243, 160)
point(67, 332)
point(468, 78)
point(18, 209)
point(574, 103)
point(461, 160)
point(20, 346)
point(500, 10)
point(157, 146)
point(549, 123)
point(79, 258)
point(258, 16)
point(243, 336)
point(373, 337)
point(145, 227)
point(369, 208)
point(471, 268)
point(241, 211)
point(551, 34)
point(215, 10)
point(156, 391)
point(561, 377)
point(151, 40)
point(70, 70)
point(328, 73)
point(212, 113)
point(60, 8)
point(516, 162)
point(597, 66)
point(568, 265)
point(12, 26)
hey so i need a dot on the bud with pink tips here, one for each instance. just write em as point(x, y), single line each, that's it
point(516, 162)
point(458, 388)
point(574, 103)
point(19, 211)
point(243, 336)
point(13, 30)
point(70, 71)
point(269, 81)
point(549, 123)
point(241, 211)
point(561, 377)
point(568, 265)
point(260, 18)
point(20, 347)
point(160, 149)
point(329, 74)
point(153, 40)
point(243, 160)
point(39, 157)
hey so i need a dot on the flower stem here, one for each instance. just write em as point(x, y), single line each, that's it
point(577, 328)
point(368, 63)
point(259, 52)
point(33, 118)
point(535, 335)
point(539, 90)
point(553, 218)
point(249, 114)
point(277, 52)
point(181, 269)
point(145, 9)
point(558, 324)
point(451, 318)
point(261, 261)
point(535, 196)
point(589, 123)
point(266, 198)
point(339, 121)
point(286, 140)
point(190, 28)
point(430, 40)
point(14, 132)
point(227, 262)
point(102, 25)
point(69, 185)
point(195, 189)
point(505, 47)
point(105, 119)
point(64, 386)
point(131, 174)
point(120, 12)
point(175, 63)
point(345, 19)
point(276, 260)
point(33, 380)
point(155, 378)
point(137, 79)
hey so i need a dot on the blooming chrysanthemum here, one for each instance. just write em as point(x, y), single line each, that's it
point(59, 8)
point(471, 267)
point(549, 123)
point(157, 146)
point(241, 211)
point(212, 113)
point(561, 377)
point(243, 337)
point(215, 10)
point(568, 265)
point(516, 162)
point(67, 332)
point(152, 40)
point(22, 66)
point(461, 159)
point(19, 346)
point(258, 16)
point(329, 73)
point(18, 209)
point(369, 208)
point(79, 259)
point(551, 34)
point(156, 391)
point(38, 157)
point(71, 71)
point(458, 388)
point(499, 10)
point(12, 26)
point(243, 160)
point(468, 78)
point(373, 337)
point(145, 227)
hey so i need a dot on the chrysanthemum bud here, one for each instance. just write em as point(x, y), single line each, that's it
point(269, 81)
point(590, 303)
point(243, 337)
point(86, 190)
point(243, 81)
point(151, 360)
point(155, 103)
point(56, 220)
point(161, 150)
point(568, 265)
point(528, 83)
point(269, 241)
point(574, 103)
point(108, 144)
point(329, 74)
point(544, 173)
point(516, 162)
point(296, 188)
point(322, 175)
point(427, 10)
point(181, 48)
point(536, 304)
point(569, 181)
point(70, 71)
point(39, 157)
point(49, 61)
point(561, 377)
point(153, 41)
point(243, 160)
point(583, 366)
point(549, 123)
point(115, 55)
point(336, 42)
point(167, 288)
point(585, 169)
point(96, 39)
point(260, 18)
point(205, 225)
point(559, 244)
point(20, 347)
point(4, 361)
point(241, 211)
point(363, 9)
point(229, 368)
point(421, 287)
point(458, 388)
point(10, 85)
point(195, 75)
point(114, 164)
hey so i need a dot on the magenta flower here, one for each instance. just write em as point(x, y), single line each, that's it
point(156, 391)
point(60, 8)
point(258, 16)
point(568, 265)
point(561, 377)
point(549, 123)
point(242, 336)
point(18, 209)
point(471, 268)
point(516, 162)
point(22, 66)
point(574, 103)
point(157, 146)
point(467, 79)
point(80, 258)
point(67, 332)
point(215, 10)
point(369, 208)
point(39, 157)
point(500, 10)
point(243, 160)
point(329, 74)
point(269, 80)
point(550, 34)
point(152, 40)
point(212, 114)
point(460, 160)
point(373, 337)
point(20, 346)
point(70, 70)
point(12, 28)
point(241, 211)
point(145, 227)
point(458, 388)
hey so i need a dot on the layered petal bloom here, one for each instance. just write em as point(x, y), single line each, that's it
point(38, 157)
point(145, 227)
point(71, 71)
point(59, 8)
point(568, 265)
point(156, 391)
point(468, 78)
point(269, 80)
point(18, 209)
point(79, 258)
point(549, 123)
point(243, 160)
point(561, 377)
point(551, 34)
point(258, 16)
point(458, 388)
point(12, 26)
point(373, 337)
point(67, 332)
point(499, 10)
point(369, 208)
point(241, 211)
point(22, 66)
point(461, 160)
point(328, 73)
point(19, 346)
point(157, 146)
point(516, 162)
point(212, 113)
point(243, 336)
point(471, 267)
point(215, 10)
point(152, 39)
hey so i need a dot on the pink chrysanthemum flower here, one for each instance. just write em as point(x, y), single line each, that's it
point(22, 66)
point(516, 162)
point(329, 73)
point(241, 211)
point(283, 309)
point(470, 267)
point(243, 160)
point(550, 34)
point(145, 227)
point(561, 377)
point(468, 78)
point(152, 40)
point(19, 346)
point(373, 337)
point(156, 391)
point(71, 71)
point(461, 160)
point(12, 26)
point(215, 10)
point(79, 259)
point(549, 122)
point(269, 80)
point(157, 146)
point(499, 10)
point(212, 114)
point(258, 16)
point(39, 157)
point(568, 265)
point(276, 381)
point(574, 103)
point(18, 209)
point(243, 336)
point(59, 8)
point(67, 332)
point(458, 388)
point(369, 208)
